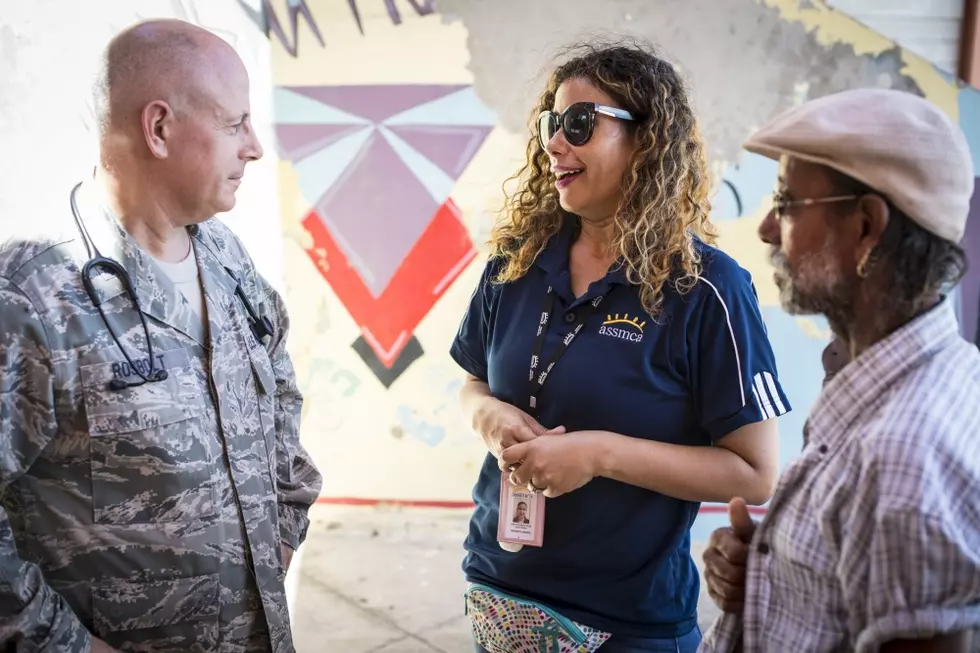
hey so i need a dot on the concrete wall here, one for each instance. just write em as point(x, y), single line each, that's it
point(389, 127)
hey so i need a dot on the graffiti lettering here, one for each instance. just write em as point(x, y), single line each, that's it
point(267, 20)
point(422, 9)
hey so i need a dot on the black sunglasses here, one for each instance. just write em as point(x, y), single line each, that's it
point(577, 121)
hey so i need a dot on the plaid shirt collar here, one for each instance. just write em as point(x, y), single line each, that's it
point(852, 389)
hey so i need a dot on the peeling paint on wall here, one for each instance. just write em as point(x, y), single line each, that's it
point(750, 71)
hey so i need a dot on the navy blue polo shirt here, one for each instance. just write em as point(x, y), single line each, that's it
point(616, 556)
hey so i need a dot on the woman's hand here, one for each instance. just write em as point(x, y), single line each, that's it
point(502, 425)
point(554, 464)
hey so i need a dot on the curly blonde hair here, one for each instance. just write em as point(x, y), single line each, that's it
point(665, 188)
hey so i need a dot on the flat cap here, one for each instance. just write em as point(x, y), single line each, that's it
point(896, 142)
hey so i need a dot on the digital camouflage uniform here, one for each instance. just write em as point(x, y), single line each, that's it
point(152, 516)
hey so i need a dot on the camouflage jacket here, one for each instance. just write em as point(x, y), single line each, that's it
point(150, 516)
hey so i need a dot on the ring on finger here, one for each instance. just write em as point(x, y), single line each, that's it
point(534, 488)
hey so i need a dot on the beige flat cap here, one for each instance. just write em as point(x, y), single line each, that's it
point(898, 143)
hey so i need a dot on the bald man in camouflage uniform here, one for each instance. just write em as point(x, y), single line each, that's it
point(160, 514)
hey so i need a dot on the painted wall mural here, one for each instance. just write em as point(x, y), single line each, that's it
point(378, 163)
point(395, 139)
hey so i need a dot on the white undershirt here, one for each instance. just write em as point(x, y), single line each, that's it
point(187, 279)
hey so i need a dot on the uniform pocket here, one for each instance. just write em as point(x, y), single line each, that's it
point(151, 460)
point(179, 614)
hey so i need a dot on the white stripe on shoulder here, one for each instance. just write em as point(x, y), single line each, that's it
point(731, 332)
point(763, 394)
point(758, 403)
point(774, 393)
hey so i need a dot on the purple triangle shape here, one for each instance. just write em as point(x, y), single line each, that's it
point(376, 103)
point(449, 147)
point(297, 142)
point(379, 209)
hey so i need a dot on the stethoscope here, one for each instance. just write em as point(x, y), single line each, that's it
point(261, 326)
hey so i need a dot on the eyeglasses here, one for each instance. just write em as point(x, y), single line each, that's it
point(577, 121)
point(779, 204)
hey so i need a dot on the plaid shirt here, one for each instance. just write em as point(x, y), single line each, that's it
point(835, 357)
point(874, 531)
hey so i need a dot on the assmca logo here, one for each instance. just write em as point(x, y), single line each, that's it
point(624, 328)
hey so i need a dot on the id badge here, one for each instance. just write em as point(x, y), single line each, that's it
point(521, 516)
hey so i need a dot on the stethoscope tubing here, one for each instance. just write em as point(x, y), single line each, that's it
point(260, 325)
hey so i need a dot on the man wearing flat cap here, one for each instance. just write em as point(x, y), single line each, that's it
point(872, 539)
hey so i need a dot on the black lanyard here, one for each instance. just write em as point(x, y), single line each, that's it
point(536, 379)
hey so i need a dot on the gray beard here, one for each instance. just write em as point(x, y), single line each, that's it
point(816, 288)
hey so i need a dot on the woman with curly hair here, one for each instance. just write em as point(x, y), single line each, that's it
point(617, 364)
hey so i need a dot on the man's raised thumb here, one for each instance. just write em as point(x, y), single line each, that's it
point(738, 514)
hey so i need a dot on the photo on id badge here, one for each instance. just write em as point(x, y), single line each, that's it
point(521, 519)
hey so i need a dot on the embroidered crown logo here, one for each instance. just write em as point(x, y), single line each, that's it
point(625, 319)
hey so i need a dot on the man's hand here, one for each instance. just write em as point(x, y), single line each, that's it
point(98, 646)
point(724, 559)
point(502, 425)
point(287, 557)
point(555, 464)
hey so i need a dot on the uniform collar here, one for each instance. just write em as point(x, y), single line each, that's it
point(553, 260)
point(157, 294)
point(862, 381)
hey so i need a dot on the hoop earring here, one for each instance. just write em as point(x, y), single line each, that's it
point(862, 267)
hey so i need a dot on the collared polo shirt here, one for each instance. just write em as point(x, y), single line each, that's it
point(616, 556)
point(874, 531)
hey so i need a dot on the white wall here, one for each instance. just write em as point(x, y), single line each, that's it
point(48, 54)
point(930, 28)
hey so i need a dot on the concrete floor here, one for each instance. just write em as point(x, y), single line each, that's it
point(377, 580)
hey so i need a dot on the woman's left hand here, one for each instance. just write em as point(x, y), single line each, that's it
point(553, 464)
